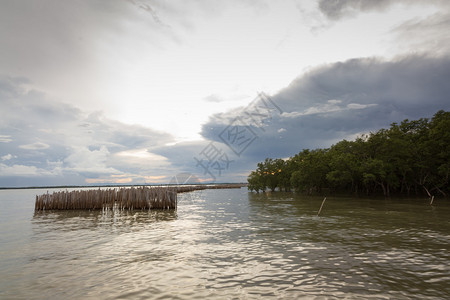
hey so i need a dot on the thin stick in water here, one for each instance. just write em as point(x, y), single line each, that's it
point(320, 209)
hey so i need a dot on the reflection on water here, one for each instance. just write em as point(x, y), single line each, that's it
point(369, 247)
point(231, 244)
point(78, 219)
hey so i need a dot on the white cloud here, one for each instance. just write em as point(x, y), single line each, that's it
point(213, 98)
point(328, 107)
point(18, 170)
point(35, 146)
point(359, 106)
point(334, 101)
point(76, 144)
point(5, 138)
point(139, 159)
point(281, 130)
point(425, 35)
point(83, 160)
point(27, 171)
point(7, 156)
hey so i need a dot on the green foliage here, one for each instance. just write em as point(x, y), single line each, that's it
point(413, 156)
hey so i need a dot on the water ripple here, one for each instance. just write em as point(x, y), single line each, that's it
point(228, 244)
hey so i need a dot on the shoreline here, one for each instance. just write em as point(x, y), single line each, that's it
point(211, 186)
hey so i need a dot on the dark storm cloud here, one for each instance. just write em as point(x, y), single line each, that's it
point(204, 158)
point(343, 100)
point(182, 154)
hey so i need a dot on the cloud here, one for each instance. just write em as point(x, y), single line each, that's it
point(5, 138)
point(82, 48)
point(51, 142)
point(148, 8)
point(7, 157)
point(18, 170)
point(140, 161)
point(35, 146)
point(67, 49)
point(213, 98)
point(66, 43)
point(89, 163)
point(429, 35)
point(359, 106)
point(47, 139)
point(202, 160)
point(338, 9)
point(328, 107)
point(109, 180)
point(27, 171)
point(341, 100)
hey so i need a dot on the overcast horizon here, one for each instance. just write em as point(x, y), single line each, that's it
point(135, 92)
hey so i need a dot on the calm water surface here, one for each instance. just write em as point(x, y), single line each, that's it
point(228, 244)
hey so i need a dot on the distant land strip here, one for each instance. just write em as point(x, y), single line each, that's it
point(224, 185)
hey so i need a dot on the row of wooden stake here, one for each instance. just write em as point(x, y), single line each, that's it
point(118, 198)
point(122, 198)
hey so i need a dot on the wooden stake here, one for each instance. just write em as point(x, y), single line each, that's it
point(122, 198)
point(320, 209)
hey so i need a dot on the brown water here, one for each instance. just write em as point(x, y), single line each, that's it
point(228, 244)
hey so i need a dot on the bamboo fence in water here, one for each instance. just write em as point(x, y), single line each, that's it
point(120, 198)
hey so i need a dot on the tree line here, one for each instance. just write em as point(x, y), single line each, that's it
point(412, 157)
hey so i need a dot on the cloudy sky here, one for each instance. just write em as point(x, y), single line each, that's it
point(138, 91)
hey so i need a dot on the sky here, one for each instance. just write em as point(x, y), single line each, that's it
point(153, 91)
